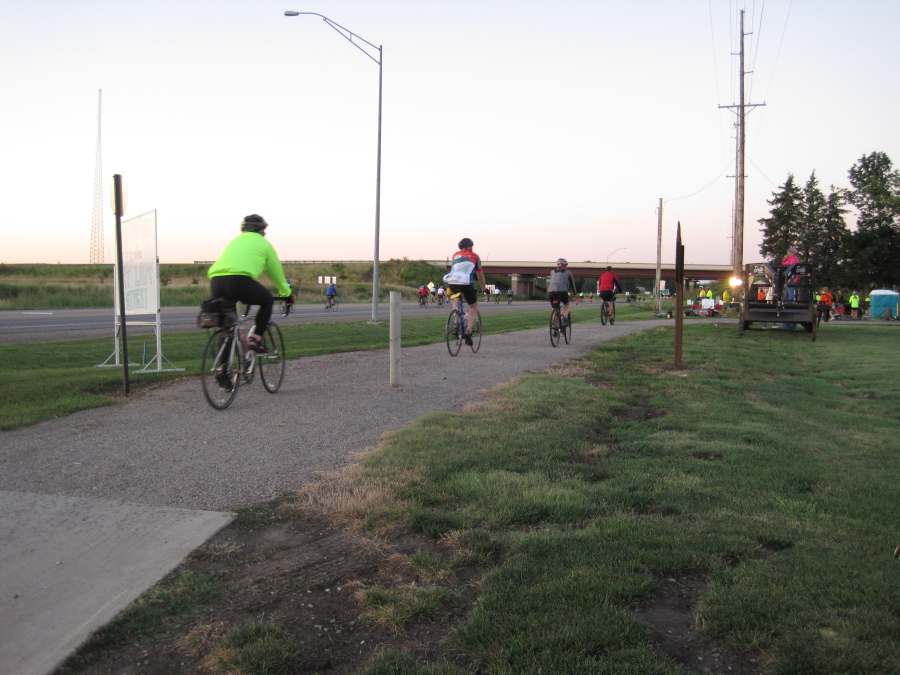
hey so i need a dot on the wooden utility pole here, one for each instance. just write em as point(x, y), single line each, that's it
point(737, 249)
point(658, 257)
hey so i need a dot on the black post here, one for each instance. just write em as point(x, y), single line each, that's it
point(679, 296)
point(120, 273)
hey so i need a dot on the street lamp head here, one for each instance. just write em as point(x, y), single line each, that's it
point(291, 12)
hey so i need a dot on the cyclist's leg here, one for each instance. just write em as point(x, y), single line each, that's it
point(564, 306)
point(471, 298)
point(251, 292)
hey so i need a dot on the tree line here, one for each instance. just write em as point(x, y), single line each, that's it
point(815, 224)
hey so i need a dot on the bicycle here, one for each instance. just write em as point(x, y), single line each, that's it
point(559, 325)
point(226, 364)
point(331, 304)
point(605, 315)
point(455, 332)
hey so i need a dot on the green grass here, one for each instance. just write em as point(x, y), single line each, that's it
point(398, 605)
point(78, 286)
point(181, 595)
point(769, 468)
point(42, 380)
point(257, 649)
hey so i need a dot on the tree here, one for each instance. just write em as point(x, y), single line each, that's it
point(782, 228)
point(833, 245)
point(809, 227)
point(875, 246)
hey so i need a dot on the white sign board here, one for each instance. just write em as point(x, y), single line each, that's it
point(140, 265)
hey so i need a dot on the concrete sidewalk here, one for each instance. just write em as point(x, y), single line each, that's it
point(122, 468)
point(68, 565)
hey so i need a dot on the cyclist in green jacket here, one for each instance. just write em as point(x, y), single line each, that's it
point(234, 275)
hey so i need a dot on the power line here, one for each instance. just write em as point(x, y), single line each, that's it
point(762, 12)
point(780, 43)
point(712, 32)
point(763, 173)
point(708, 185)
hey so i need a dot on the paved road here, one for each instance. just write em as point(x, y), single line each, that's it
point(69, 324)
point(86, 498)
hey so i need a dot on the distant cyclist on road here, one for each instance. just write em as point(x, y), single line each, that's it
point(331, 294)
point(561, 280)
point(234, 274)
point(607, 287)
point(464, 268)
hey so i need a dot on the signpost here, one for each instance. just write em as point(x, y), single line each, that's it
point(120, 276)
point(679, 296)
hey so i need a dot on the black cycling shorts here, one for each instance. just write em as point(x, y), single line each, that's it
point(468, 292)
point(559, 296)
point(609, 296)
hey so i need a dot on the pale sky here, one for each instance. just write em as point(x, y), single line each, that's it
point(537, 129)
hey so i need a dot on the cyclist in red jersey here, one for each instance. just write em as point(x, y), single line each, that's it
point(464, 269)
point(607, 286)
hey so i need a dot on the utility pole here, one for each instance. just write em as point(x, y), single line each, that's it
point(97, 254)
point(737, 255)
point(658, 257)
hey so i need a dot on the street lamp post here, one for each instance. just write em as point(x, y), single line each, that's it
point(349, 35)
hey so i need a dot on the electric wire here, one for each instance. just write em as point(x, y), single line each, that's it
point(697, 192)
point(758, 29)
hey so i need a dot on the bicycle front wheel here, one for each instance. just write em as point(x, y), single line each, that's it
point(221, 369)
point(271, 364)
point(554, 326)
point(476, 335)
point(453, 333)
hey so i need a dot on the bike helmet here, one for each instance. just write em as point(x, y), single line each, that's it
point(465, 242)
point(562, 262)
point(253, 223)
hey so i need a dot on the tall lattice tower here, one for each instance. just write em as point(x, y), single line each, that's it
point(97, 248)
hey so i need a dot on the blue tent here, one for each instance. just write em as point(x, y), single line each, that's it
point(884, 304)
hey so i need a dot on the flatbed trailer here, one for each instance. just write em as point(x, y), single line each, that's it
point(778, 295)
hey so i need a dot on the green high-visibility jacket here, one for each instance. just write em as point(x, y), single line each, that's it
point(854, 301)
point(249, 255)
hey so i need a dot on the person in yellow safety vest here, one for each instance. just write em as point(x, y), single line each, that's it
point(867, 303)
point(726, 296)
point(854, 305)
point(709, 294)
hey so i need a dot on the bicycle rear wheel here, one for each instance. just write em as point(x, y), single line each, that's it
point(476, 335)
point(567, 329)
point(604, 313)
point(452, 333)
point(555, 326)
point(271, 364)
point(221, 369)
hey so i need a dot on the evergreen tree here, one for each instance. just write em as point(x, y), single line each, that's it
point(875, 246)
point(835, 238)
point(809, 231)
point(782, 228)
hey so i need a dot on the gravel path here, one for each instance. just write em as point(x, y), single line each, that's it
point(167, 447)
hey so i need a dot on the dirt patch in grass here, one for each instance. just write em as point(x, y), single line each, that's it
point(707, 456)
point(574, 368)
point(307, 594)
point(671, 619)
